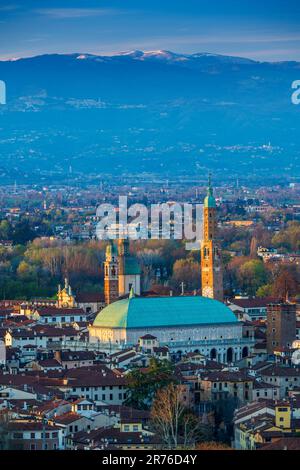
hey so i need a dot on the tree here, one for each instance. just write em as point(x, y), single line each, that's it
point(188, 272)
point(288, 238)
point(252, 275)
point(143, 384)
point(253, 247)
point(23, 232)
point(286, 283)
point(172, 420)
point(264, 291)
point(5, 230)
point(224, 412)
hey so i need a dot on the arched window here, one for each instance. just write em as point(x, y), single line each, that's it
point(213, 354)
point(229, 355)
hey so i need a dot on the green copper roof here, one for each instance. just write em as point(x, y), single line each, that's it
point(143, 312)
point(131, 266)
point(209, 202)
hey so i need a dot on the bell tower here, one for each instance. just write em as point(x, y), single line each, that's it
point(211, 256)
point(111, 283)
point(129, 270)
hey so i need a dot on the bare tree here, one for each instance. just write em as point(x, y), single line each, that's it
point(172, 420)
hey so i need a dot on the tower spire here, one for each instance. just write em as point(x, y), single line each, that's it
point(209, 201)
point(211, 260)
point(209, 187)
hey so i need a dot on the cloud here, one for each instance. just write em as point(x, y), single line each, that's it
point(9, 7)
point(65, 13)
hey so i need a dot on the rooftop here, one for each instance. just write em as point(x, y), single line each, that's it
point(140, 312)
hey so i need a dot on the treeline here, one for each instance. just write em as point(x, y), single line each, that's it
point(34, 268)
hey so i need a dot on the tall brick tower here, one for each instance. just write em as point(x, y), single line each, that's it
point(211, 256)
point(281, 325)
point(111, 269)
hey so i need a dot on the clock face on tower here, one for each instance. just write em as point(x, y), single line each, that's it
point(207, 292)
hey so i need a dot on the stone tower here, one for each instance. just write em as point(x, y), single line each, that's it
point(111, 270)
point(281, 325)
point(129, 270)
point(211, 257)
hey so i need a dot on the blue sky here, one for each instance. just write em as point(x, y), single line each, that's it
point(258, 29)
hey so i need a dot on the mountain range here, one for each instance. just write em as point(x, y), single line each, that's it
point(155, 111)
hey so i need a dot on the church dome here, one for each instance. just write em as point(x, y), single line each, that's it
point(155, 312)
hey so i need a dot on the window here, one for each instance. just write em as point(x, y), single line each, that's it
point(18, 435)
point(135, 428)
point(111, 396)
point(32, 446)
